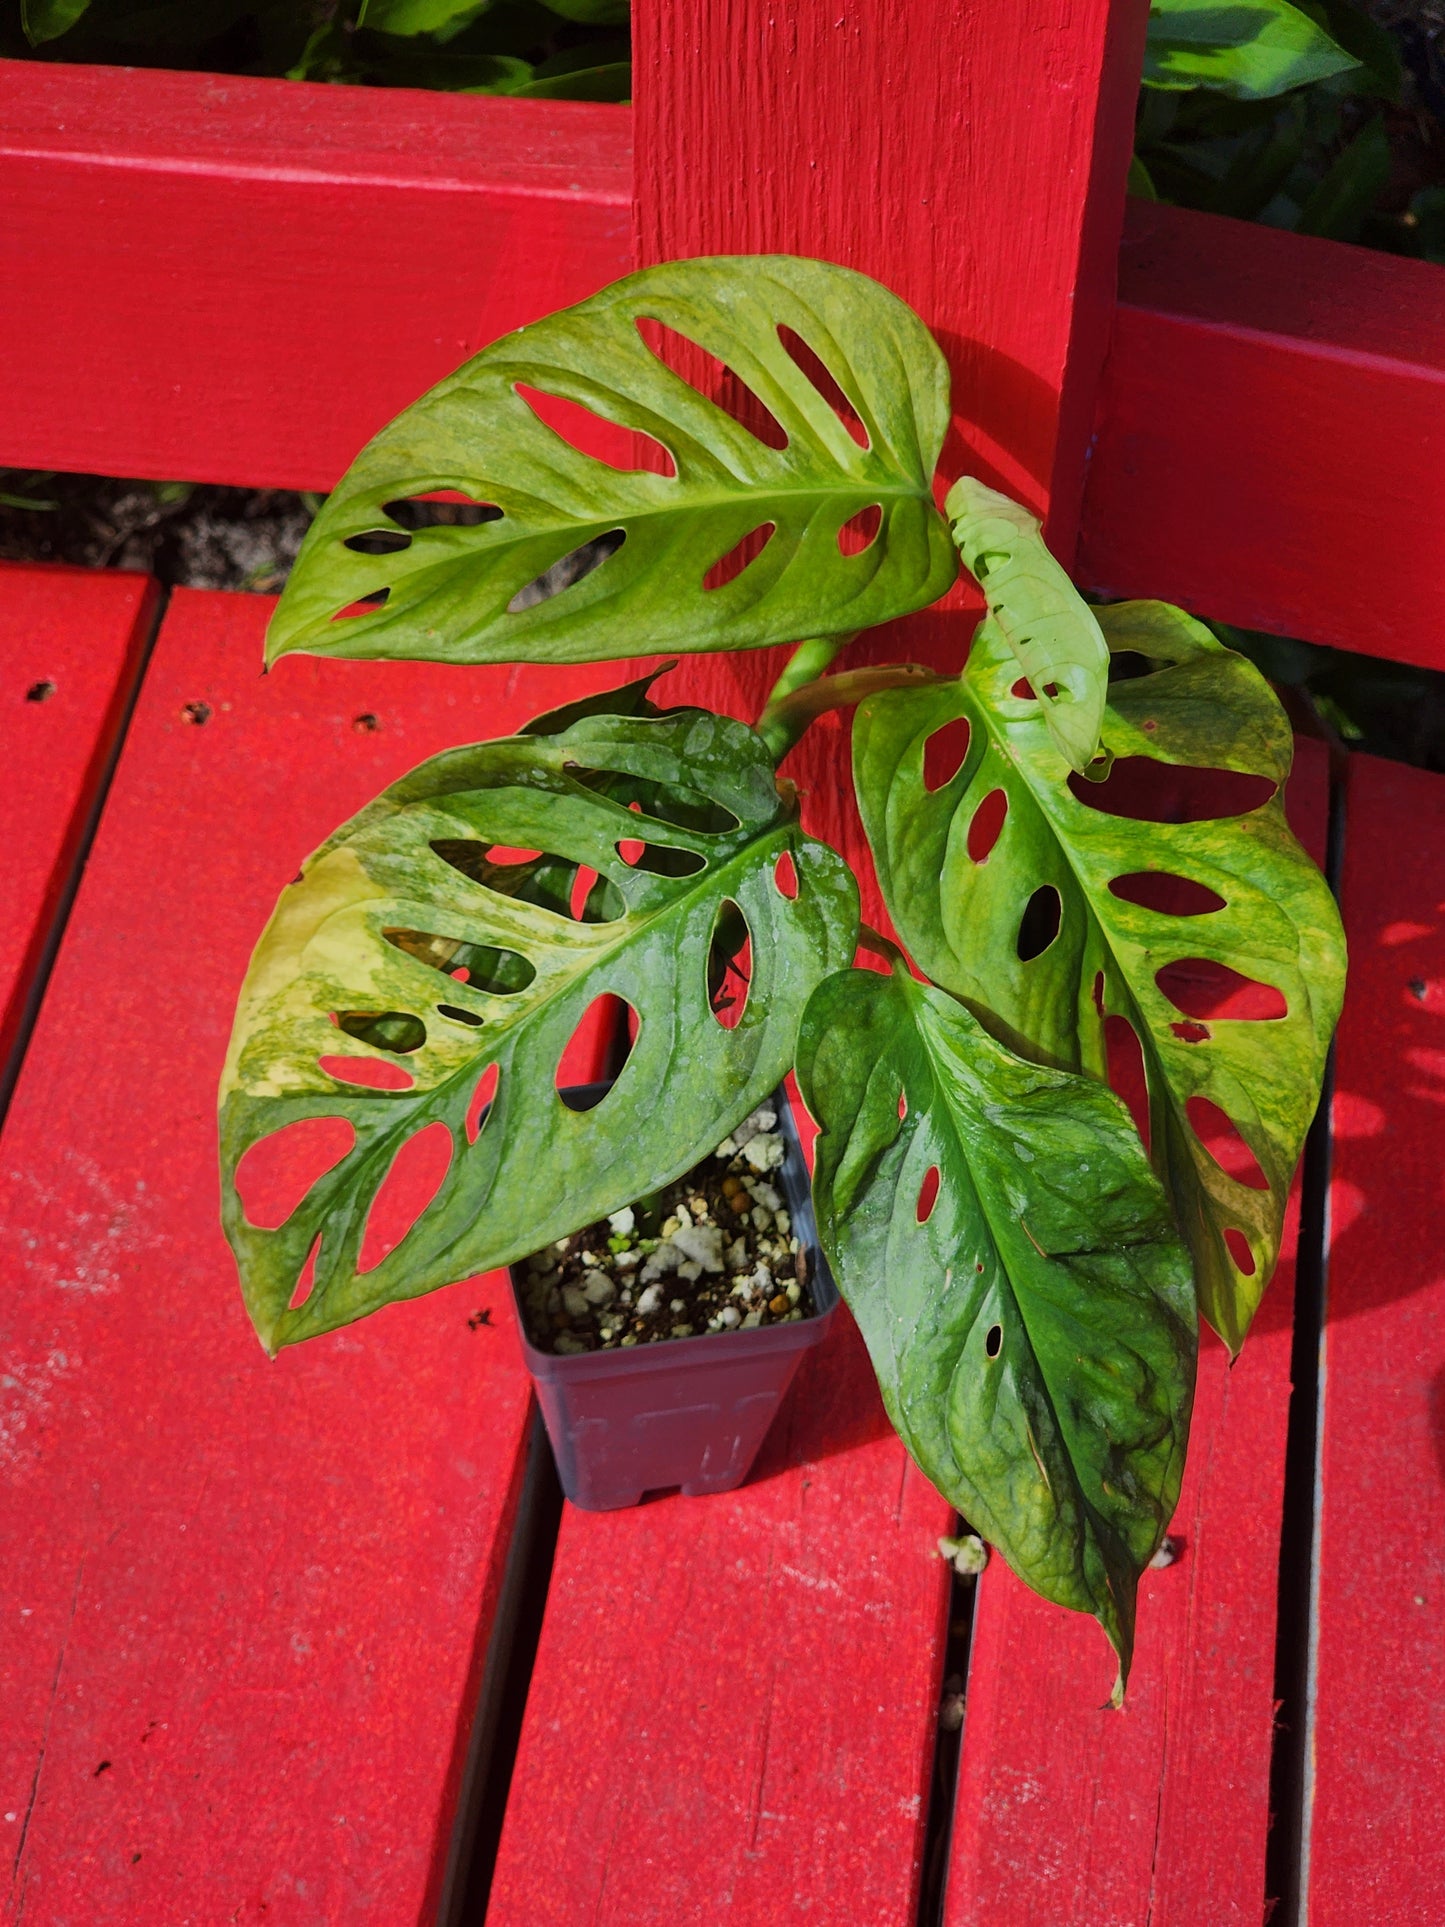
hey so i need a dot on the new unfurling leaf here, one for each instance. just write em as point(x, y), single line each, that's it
point(1038, 612)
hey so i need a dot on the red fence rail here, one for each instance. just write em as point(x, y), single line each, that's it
point(178, 254)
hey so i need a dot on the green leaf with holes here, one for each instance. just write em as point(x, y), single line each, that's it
point(1034, 1336)
point(1051, 630)
point(570, 559)
point(1245, 49)
point(1228, 891)
point(454, 926)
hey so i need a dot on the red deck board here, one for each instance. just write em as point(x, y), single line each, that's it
point(731, 1715)
point(1069, 1815)
point(231, 280)
point(1375, 1849)
point(79, 634)
point(1271, 434)
point(259, 1592)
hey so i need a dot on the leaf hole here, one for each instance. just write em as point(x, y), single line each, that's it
point(826, 383)
point(1203, 987)
point(417, 1173)
point(661, 859)
point(712, 379)
point(1222, 1138)
point(1128, 665)
point(1149, 791)
point(629, 450)
point(785, 876)
point(1040, 922)
point(1127, 1079)
point(486, 967)
point(277, 1172)
point(378, 542)
point(902, 1105)
point(587, 898)
point(1171, 895)
point(363, 606)
point(604, 1038)
point(1189, 1032)
point(567, 571)
point(860, 531)
point(459, 1016)
point(993, 1340)
point(399, 1031)
point(442, 508)
point(740, 556)
point(370, 1073)
point(729, 965)
point(1239, 1251)
point(306, 1277)
point(484, 1095)
point(987, 825)
point(944, 753)
point(927, 1194)
point(683, 808)
point(1023, 688)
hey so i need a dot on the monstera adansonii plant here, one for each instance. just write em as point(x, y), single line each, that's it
point(1106, 848)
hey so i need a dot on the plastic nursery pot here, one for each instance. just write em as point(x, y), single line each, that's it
point(688, 1412)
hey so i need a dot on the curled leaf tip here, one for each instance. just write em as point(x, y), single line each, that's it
point(1053, 634)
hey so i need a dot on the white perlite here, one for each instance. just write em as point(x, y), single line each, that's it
point(765, 1151)
point(968, 1555)
point(666, 1258)
point(598, 1288)
point(701, 1244)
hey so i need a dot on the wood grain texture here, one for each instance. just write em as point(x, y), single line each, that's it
point(1069, 1815)
point(244, 1604)
point(71, 644)
point(846, 134)
point(731, 1716)
point(229, 280)
point(1375, 1850)
point(1271, 435)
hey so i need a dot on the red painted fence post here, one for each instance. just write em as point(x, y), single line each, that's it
point(971, 156)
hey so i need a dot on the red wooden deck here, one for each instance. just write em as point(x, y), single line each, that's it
point(265, 1628)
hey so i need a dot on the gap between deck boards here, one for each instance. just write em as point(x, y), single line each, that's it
point(11, 1063)
point(1287, 1848)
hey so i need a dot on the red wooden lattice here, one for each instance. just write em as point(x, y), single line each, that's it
point(257, 1618)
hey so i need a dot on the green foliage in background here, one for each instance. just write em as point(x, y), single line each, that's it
point(542, 49)
point(1326, 117)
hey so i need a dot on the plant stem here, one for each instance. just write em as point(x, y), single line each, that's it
point(786, 716)
point(808, 660)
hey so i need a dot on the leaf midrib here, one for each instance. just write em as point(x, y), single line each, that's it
point(1097, 1522)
